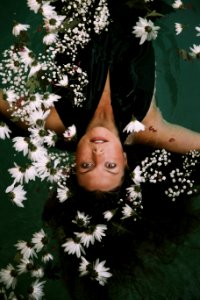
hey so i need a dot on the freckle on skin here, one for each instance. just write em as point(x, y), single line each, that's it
point(171, 140)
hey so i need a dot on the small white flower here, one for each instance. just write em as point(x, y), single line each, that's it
point(47, 257)
point(51, 138)
point(62, 193)
point(8, 276)
point(11, 96)
point(198, 30)
point(133, 193)
point(145, 30)
point(26, 56)
point(99, 232)
point(108, 215)
point(18, 28)
point(81, 219)
point(36, 290)
point(30, 173)
point(48, 11)
point(136, 175)
point(83, 266)
point(34, 5)
point(195, 51)
point(177, 4)
point(49, 99)
point(39, 240)
point(37, 272)
point(53, 23)
point(63, 81)
point(127, 211)
point(37, 117)
point(4, 131)
point(34, 69)
point(21, 144)
point(17, 173)
point(102, 272)
point(86, 238)
point(70, 132)
point(134, 126)
point(50, 38)
point(73, 247)
point(17, 195)
point(25, 266)
point(178, 28)
point(26, 249)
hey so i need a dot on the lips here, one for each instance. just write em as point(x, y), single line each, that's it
point(98, 140)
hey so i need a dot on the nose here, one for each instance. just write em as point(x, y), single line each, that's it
point(97, 150)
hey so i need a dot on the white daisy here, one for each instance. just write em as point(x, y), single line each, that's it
point(85, 238)
point(70, 132)
point(18, 28)
point(99, 232)
point(10, 95)
point(26, 56)
point(49, 99)
point(127, 211)
point(37, 117)
point(73, 247)
point(198, 30)
point(17, 173)
point(25, 266)
point(21, 144)
point(47, 257)
point(36, 67)
point(62, 193)
point(134, 126)
point(53, 23)
point(134, 192)
point(178, 4)
point(8, 276)
point(81, 219)
point(48, 11)
point(37, 153)
point(36, 290)
point(51, 138)
point(34, 5)
point(30, 173)
point(136, 175)
point(102, 272)
point(83, 267)
point(26, 249)
point(63, 81)
point(145, 30)
point(17, 195)
point(178, 28)
point(50, 38)
point(39, 240)
point(4, 131)
point(108, 215)
point(37, 272)
point(195, 51)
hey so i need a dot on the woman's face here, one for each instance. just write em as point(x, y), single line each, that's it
point(100, 160)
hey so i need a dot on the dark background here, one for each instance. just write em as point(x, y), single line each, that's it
point(178, 96)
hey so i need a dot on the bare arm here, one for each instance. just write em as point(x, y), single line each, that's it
point(161, 134)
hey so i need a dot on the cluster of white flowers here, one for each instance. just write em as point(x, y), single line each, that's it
point(32, 259)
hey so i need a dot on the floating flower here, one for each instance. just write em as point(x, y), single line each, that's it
point(134, 126)
point(108, 215)
point(102, 273)
point(195, 51)
point(70, 132)
point(127, 211)
point(47, 257)
point(18, 28)
point(26, 249)
point(21, 144)
point(83, 267)
point(25, 266)
point(134, 192)
point(198, 30)
point(72, 246)
point(17, 195)
point(91, 234)
point(178, 4)
point(63, 193)
point(8, 276)
point(145, 30)
point(178, 28)
point(81, 219)
point(4, 131)
point(136, 175)
point(34, 5)
point(35, 291)
point(50, 38)
point(39, 240)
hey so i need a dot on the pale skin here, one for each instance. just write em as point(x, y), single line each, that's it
point(100, 158)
